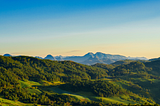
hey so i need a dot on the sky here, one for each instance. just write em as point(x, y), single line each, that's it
point(75, 27)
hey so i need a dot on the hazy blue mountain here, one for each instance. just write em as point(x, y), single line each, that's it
point(50, 57)
point(137, 58)
point(79, 59)
point(7, 55)
point(90, 54)
point(109, 56)
point(94, 60)
point(59, 58)
point(108, 61)
point(91, 58)
point(39, 57)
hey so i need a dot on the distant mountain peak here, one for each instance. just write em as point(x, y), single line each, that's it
point(89, 54)
point(7, 55)
point(49, 56)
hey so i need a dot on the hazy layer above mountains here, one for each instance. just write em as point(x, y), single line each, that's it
point(91, 58)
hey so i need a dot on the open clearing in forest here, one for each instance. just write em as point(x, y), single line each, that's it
point(90, 96)
point(60, 91)
point(115, 100)
point(6, 102)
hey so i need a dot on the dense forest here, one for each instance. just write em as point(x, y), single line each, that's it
point(136, 79)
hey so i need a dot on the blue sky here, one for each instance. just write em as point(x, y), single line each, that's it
point(75, 27)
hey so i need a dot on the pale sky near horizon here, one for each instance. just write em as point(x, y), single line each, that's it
point(75, 27)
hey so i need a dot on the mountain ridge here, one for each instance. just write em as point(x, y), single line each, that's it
point(91, 58)
point(99, 57)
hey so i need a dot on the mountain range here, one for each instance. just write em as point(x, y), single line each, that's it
point(91, 58)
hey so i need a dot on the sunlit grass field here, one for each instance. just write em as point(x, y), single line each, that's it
point(6, 102)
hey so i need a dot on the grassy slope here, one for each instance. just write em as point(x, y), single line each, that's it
point(147, 85)
point(88, 96)
point(115, 100)
point(28, 84)
point(123, 99)
point(145, 88)
point(6, 102)
point(53, 88)
point(24, 84)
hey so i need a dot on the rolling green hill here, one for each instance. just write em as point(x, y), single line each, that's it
point(37, 81)
point(140, 78)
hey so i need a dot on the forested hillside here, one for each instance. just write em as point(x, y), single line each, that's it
point(142, 78)
point(27, 79)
